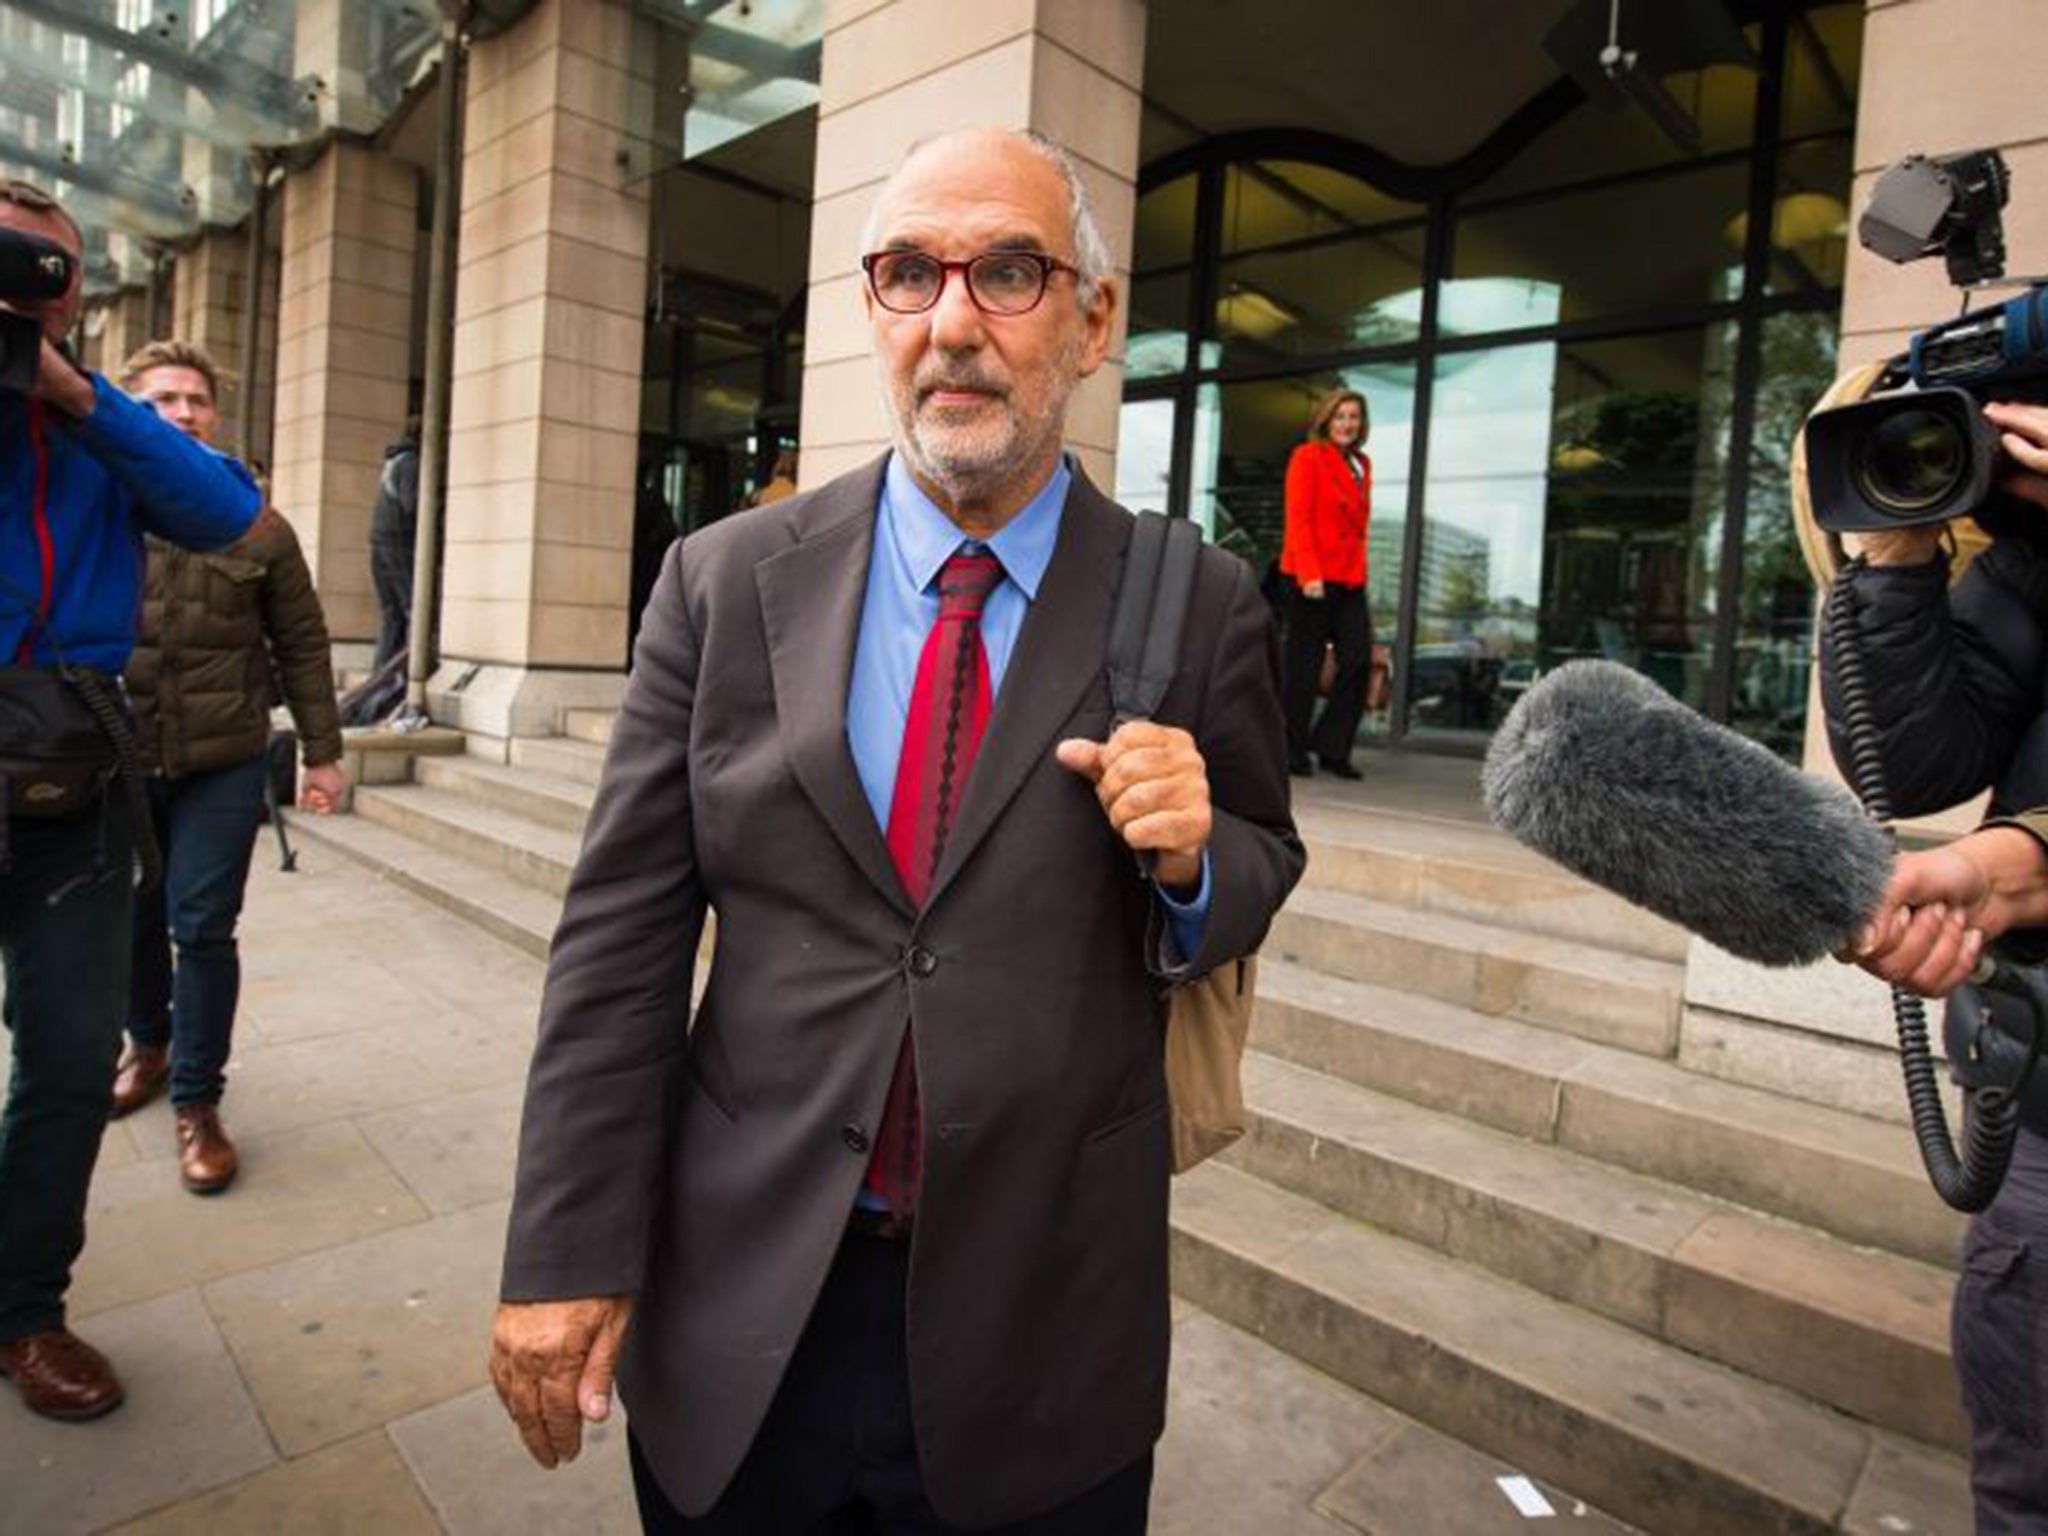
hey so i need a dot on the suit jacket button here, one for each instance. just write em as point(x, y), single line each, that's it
point(855, 1138)
point(922, 961)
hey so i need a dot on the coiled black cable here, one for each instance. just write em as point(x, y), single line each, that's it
point(113, 721)
point(1968, 1182)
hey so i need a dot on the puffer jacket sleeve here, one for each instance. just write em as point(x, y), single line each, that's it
point(1954, 677)
point(296, 631)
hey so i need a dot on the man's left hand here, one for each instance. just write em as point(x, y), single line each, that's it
point(321, 788)
point(1154, 787)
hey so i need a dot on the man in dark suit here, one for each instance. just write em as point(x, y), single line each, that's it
point(889, 1222)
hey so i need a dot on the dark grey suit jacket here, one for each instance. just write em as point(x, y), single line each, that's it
point(710, 1168)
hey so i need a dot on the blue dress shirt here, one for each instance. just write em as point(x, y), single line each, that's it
point(913, 540)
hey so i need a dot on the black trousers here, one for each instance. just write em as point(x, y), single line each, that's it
point(836, 1455)
point(1339, 617)
point(1999, 1336)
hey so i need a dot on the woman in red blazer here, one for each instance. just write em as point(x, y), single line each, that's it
point(1329, 498)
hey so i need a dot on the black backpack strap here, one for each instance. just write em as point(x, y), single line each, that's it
point(1151, 613)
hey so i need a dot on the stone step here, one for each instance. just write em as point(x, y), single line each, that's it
point(478, 893)
point(1596, 994)
point(1858, 1178)
point(559, 756)
point(512, 844)
point(1859, 1330)
point(549, 799)
point(1472, 871)
point(591, 725)
point(1648, 1432)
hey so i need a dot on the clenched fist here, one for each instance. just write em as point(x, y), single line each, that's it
point(1154, 787)
point(552, 1363)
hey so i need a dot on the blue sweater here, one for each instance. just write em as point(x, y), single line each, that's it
point(74, 554)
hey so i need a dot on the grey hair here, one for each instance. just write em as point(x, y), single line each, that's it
point(1091, 252)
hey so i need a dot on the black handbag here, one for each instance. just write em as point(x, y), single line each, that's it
point(64, 737)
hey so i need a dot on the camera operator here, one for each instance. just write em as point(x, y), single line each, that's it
point(84, 472)
point(1958, 684)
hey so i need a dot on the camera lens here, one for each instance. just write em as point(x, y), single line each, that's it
point(1912, 460)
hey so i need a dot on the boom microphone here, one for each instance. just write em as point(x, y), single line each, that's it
point(1601, 770)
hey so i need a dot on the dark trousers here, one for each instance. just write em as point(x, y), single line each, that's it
point(1340, 618)
point(206, 826)
point(64, 912)
point(836, 1455)
point(1999, 1335)
point(391, 562)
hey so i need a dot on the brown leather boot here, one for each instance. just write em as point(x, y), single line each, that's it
point(61, 1376)
point(206, 1158)
point(140, 1077)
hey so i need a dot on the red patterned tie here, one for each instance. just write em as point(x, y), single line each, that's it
point(949, 707)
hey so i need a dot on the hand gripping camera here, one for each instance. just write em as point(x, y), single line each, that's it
point(32, 269)
point(1918, 449)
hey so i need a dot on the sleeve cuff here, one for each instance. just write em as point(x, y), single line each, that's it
point(1185, 920)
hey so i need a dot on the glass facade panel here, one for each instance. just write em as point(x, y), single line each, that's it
point(1158, 341)
point(1810, 221)
point(1165, 232)
point(1144, 454)
point(1672, 243)
point(1573, 508)
point(1774, 623)
point(1281, 202)
point(1334, 294)
point(1823, 60)
point(1600, 140)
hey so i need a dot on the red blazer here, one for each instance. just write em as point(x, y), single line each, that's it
point(1326, 515)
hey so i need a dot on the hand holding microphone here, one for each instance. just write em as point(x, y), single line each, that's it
point(1942, 906)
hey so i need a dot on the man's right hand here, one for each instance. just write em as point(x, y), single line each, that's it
point(552, 1363)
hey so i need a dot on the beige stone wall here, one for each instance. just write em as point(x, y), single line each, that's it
point(124, 328)
point(345, 305)
point(211, 287)
point(550, 304)
point(896, 71)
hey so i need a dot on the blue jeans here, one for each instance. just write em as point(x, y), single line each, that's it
point(64, 914)
point(206, 825)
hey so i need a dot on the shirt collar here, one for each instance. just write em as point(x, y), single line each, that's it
point(927, 538)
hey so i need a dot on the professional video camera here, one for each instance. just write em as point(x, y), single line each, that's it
point(1917, 449)
point(31, 269)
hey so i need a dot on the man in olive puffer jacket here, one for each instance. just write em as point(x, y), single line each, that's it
point(213, 625)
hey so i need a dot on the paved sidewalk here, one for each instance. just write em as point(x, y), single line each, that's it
point(306, 1352)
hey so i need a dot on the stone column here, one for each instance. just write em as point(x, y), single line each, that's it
point(344, 359)
point(897, 71)
point(124, 328)
point(544, 422)
point(211, 289)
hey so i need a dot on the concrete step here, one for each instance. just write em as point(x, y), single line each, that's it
point(591, 725)
point(1472, 871)
point(1858, 1178)
point(1597, 994)
point(1646, 1431)
point(512, 844)
point(1859, 1330)
point(479, 893)
point(553, 801)
point(559, 756)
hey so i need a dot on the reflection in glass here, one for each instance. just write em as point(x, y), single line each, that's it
point(1774, 628)
point(1144, 454)
point(1653, 245)
point(1268, 203)
point(1158, 341)
point(1823, 61)
point(1336, 294)
point(1164, 235)
point(1597, 140)
point(1810, 222)
point(1573, 509)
